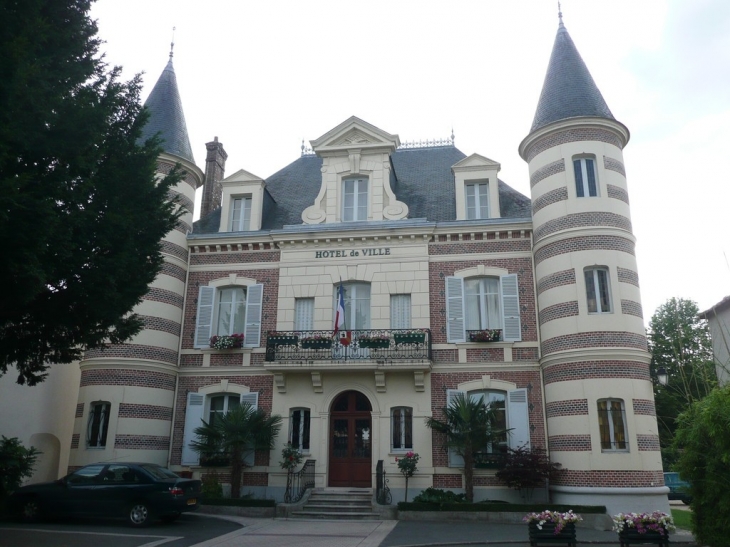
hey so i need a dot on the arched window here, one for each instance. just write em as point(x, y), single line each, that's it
point(586, 184)
point(612, 425)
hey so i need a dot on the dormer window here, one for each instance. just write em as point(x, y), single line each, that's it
point(240, 214)
point(477, 200)
point(354, 199)
point(585, 177)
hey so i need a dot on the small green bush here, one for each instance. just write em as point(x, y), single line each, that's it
point(212, 488)
point(437, 495)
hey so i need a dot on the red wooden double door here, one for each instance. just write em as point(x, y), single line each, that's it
point(351, 436)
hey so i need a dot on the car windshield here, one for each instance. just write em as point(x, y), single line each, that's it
point(159, 472)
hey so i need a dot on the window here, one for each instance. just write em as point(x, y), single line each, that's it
point(98, 425)
point(483, 303)
point(400, 311)
point(585, 177)
point(612, 424)
point(597, 290)
point(354, 199)
point(357, 305)
point(512, 412)
point(477, 200)
point(240, 215)
point(299, 429)
point(213, 406)
point(401, 426)
point(304, 314)
point(229, 310)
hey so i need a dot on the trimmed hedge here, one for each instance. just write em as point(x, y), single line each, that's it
point(500, 507)
point(231, 502)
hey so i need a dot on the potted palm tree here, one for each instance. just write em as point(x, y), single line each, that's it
point(468, 427)
point(236, 434)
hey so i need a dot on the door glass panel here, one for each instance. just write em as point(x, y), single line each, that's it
point(361, 402)
point(340, 404)
point(362, 438)
point(340, 439)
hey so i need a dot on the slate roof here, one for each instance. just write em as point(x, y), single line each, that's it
point(167, 117)
point(420, 177)
point(569, 90)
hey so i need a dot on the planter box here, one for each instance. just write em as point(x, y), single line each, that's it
point(316, 344)
point(631, 536)
point(374, 343)
point(282, 340)
point(478, 337)
point(548, 535)
point(409, 338)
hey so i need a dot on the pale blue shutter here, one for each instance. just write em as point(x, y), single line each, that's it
point(252, 399)
point(455, 326)
point(455, 460)
point(518, 417)
point(193, 420)
point(206, 299)
point(512, 330)
point(254, 305)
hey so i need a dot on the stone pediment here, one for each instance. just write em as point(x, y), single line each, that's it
point(242, 176)
point(476, 162)
point(358, 134)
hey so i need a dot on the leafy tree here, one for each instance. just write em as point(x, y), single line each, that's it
point(80, 206)
point(468, 427)
point(525, 469)
point(703, 441)
point(16, 463)
point(234, 435)
point(679, 342)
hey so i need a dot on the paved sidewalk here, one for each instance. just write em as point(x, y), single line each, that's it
point(391, 533)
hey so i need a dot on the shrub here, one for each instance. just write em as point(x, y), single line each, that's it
point(436, 495)
point(212, 488)
point(525, 469)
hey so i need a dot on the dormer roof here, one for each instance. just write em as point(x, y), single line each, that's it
point(569, 90)
point(167, 117)
point(354, 133)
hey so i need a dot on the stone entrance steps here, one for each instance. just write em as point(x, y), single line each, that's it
point(339, 504)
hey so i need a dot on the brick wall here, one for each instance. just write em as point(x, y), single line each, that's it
point(614, 165)
point(164, 296)
point(596, 339)
point(616, 192)
point(145, 412)
point(584, 243)
point(123, 377)
point(133, 351)
point(578, 220)
point(141, 442)
point(627, 276)
point(569, 443)
point(557, 279)
point(629, 307)
point(644, 406)
point(569, 407)
point(547, 170)
point(582, 370)
point(613, 478)
point(557, 311)
point(548, 198)
point(569, 136)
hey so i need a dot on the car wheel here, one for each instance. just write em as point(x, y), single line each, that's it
point(170, 518)
point(139, 514)
point(30, 510)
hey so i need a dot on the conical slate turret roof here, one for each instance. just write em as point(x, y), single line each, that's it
point(166, 115)
point(569, 90)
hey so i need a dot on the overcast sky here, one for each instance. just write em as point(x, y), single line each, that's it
point(262, 75)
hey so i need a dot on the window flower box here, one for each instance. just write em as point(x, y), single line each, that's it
point(316, 343)
point(375, 342)
point(552, 527)
point(487, 335)
point(404, 338)
point(636, 528)
point(282, 340)
point(234, 341)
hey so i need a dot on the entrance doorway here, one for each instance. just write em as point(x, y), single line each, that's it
point(351, 439)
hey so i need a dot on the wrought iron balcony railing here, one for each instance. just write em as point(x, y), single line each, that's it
point(405, 345)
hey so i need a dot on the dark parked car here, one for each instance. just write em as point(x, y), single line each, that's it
point(136, 491)
point(678, 489)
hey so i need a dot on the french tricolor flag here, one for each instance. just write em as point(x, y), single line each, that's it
point(340, 310)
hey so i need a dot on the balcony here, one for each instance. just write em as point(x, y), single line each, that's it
point(405, 349)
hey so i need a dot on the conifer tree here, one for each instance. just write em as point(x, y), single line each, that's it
point(81, 211)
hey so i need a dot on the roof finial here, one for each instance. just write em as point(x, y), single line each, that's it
point(452, 135)
point(172, 44)
point(560, 15)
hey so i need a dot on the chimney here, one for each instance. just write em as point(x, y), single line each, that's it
point(215, 168)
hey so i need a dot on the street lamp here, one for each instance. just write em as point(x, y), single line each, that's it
point(662, 376)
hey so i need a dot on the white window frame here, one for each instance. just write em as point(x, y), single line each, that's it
point(482, 296)
point(600, 284)
point(478, 207)
point(208, 309)
point(102, 411)
point(400, 311)
point(491, 396)
point(237, 290)
point(581, 171)
point(358, 209)
point(304, 431)
point(611, 425)
point(509, 308)
point(406, 415)
point(241, 205)
point(226, 401)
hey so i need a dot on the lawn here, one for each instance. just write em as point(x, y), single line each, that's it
point(681, 518)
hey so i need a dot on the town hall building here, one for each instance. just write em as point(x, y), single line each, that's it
point(451, 282)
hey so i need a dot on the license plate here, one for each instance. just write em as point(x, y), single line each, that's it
point(192, 501)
